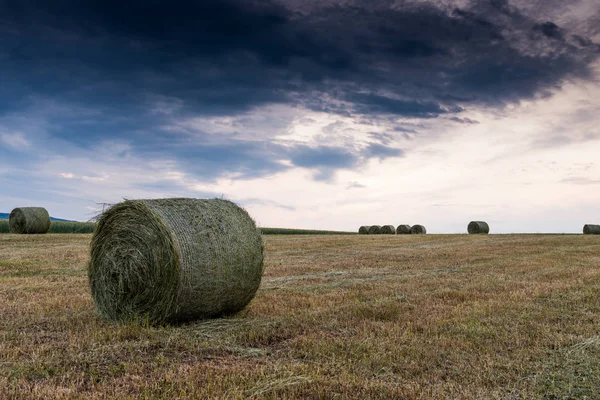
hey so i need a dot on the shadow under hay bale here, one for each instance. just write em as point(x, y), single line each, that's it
point(388, 230)
point(374, 230)
point(364, 230)
point(403, 230)
point(478, 227)
point(29, 220)
point(172, 260)
point(590, 229)
point(418, 230)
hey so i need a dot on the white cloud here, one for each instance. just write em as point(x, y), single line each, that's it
point(15, 140)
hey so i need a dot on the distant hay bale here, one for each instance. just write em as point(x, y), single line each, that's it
point(388, 230)
point(29, 220)
point(591, 229)
point(374, 230)
point(171, 260)
point(4, 226)
point(418, 230)
point(403, 229)
point(364, 230)
point(477, 227)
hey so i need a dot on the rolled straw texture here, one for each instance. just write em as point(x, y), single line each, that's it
point(29, 220)
point(169, 260)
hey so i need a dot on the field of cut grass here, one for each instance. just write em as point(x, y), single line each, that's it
point(405, 317)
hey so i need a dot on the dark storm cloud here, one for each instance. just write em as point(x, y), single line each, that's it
point(252, 159)
point(374, 104)
point(228, 57)
point(323, 156)
point(466, 121)
point(382, 152)
point(404, 130)
point(238, 158)
point(326, 160)
point(550, 29)
point(383, 138)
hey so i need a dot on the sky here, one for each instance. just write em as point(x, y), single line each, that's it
point(326, 114)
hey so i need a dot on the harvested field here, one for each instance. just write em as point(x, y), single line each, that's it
point(402, 316)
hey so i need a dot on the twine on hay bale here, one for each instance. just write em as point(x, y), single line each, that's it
point(170, 260)
point(363, 230)
point(590, 229)
point(418, 230)
point(388, 230)
point(477, 227)
point(403, 230)
point(29, 220)
point(374, 230)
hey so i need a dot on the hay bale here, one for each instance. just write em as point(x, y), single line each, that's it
point(591, 229)
point(418, 230)
point(388, 230)
point(403, 230)
point(4, 227)
point(29, 220)
point(374, 230)
point(477, 227)
point(364, 230)
point(170, 260)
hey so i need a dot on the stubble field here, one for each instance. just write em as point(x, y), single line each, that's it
point(407, 317)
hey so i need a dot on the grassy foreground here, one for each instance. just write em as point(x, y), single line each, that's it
point(414, 317)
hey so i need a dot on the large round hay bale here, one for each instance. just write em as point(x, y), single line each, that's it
point(388, 230)
point(363, 230)
point(477, 227)
point(169, 260)
point(418, 230)
point(403, 229)
point(29, 220)
point(591, 229)
point(374, 230)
